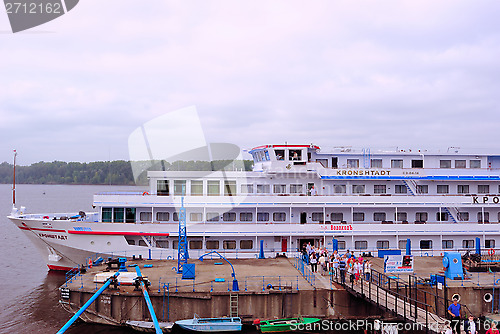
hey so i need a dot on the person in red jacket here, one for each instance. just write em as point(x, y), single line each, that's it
point(493, 329)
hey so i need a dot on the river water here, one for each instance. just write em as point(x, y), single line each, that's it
point(29, 293)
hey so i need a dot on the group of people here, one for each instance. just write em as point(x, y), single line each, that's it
point(336, 263)
point(469, 325)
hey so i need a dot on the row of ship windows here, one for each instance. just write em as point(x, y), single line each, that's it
point(198, 244)
point(424, 244)
point(213, 188)
point(315, 216)
point(416, 163)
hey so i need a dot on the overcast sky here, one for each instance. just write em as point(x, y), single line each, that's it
point(420, 74)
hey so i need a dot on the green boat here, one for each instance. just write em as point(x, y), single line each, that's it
point(286, 325)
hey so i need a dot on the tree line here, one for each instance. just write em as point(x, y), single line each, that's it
point(117, 172)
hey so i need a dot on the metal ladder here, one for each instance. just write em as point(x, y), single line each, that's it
point(233, 305)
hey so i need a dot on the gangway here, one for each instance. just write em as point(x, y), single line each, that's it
point(405, 301)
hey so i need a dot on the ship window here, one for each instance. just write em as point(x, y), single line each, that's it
point(422, 189)
point(379, 216)
point(425, 244)
point(246, 244)
point(489, 243)
point(361, 244)
point(336, 216)
point(107, 213)
point(379, 189)
point(352, 163)
point(229, 188)
point(175, 244)
point(463, 216)
point(402, 244)
point(460, 164)
point(162, 243)
point(483, 189)
point(280, 154)
point(417, 164)
point(421, 216)
point(118, 215)
point(402, 217)
point(212, 216)
point(279, 216)
point(263, 189)
point(195, 244)
point(442, 216)
point(175, 216)
point(196, 188)
point(213, 188)
point(463, 189)
point(295, 155)
point(229, 216)
point(279, 188)
point(142, 243)
point(246, 216)
point(247, 188)
point(468, 243)
point(212, 244)
point(400, 189)
point(376, 163)
point(162, 188)
point(162, 216)
point(396, 163)
point(130, 215)
point(196, 216)
point(475, 163)
point(339, 189)
point(486, 217)
point(323, 162)
point(262, 216)
point(383, 244)
point(447, 244)
point(295, 189)
point(443, 189)
point(229, 244)
point(358, 188)
point(180, 187)
point(146, 216)
point(358, 216)
point(341, 244)
point(317, 216)
point(130, 241)
point(444, 163)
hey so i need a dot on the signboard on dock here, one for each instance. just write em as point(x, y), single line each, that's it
point(64, 293)
point(398, 264)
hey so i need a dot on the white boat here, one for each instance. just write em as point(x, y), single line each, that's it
point(296, 194)
point(229, 324)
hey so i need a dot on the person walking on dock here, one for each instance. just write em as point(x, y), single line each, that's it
point(493, 329)
point(342, 266)
point(454, 311)
point(314, 263)
point(470, 326)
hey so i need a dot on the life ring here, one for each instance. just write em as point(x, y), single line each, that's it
point(145, 193)
point(90, 263)
point(491, 252)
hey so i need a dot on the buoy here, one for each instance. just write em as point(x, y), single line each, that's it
point(145, 193)
point(491, 252)
point(90, 263)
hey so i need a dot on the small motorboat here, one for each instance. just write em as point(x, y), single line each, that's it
point(148, 326)
point(197, 324)
point(285, 325)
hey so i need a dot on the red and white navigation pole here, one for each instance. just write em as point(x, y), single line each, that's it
point(14, 182)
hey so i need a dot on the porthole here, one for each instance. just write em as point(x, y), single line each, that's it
point(108, 243)
point(487, 297)
point(455, 296)
point(92, 242)
point(455, 260)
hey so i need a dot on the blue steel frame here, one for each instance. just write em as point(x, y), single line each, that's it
point(183, 255)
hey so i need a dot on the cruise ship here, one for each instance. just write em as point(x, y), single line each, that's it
point(361, 200)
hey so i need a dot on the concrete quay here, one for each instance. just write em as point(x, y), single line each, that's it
point(268, 288)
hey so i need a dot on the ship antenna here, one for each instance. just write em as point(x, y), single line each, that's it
point(14, 181)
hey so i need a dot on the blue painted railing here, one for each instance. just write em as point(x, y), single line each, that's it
point(304, 269)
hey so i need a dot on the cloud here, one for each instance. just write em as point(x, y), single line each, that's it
point(376, 73)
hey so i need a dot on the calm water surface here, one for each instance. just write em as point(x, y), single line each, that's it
point(29, 293)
